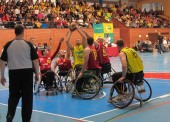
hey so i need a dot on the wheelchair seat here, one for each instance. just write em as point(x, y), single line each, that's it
point(62, 72)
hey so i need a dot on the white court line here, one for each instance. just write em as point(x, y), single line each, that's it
point(51, 114)
point(160, 97)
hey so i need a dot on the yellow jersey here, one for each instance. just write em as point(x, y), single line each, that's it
point(134, 62)
point(78, 55)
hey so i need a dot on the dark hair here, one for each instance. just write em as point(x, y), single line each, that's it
point(160, 38)
point(42, 51)
point(120, 43)
point(19, 29)
point(90, 40)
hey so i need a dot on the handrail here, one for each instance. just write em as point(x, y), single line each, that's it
point(118, 23)
point(30, 24)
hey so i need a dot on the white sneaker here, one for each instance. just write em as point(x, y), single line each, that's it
point(141, 89)
point(116, 99)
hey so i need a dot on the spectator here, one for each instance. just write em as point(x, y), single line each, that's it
point(160, 42)
point(108, 40)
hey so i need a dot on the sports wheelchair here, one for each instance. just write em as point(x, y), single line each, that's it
point(48, 83)
point(88, 85)
point(123, 95)
point(72, 75)
point(63, 77)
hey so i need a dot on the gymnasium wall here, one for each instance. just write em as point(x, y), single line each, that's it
point(165, 4)
point(43, 36)
point(129, 35)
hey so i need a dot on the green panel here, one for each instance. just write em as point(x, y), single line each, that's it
point(98, 28)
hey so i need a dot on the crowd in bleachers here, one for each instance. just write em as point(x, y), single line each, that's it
point(47, 14)
point(136, 18)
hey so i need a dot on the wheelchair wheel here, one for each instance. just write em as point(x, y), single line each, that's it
point(126, 94)
point(38, 87)
point(146, 95)
point(87, 86)
point(107, 77)
point(58, 83)
point(69, 83)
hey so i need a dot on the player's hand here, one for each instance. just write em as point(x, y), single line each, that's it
point(67, 34)
point(121, 80)
point(62, 39)
point(76, 26)
point(73, 24)
point(80, 74)
point(83, 30)
point(37, 78)
point(3, 81)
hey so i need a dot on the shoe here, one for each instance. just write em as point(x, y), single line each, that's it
point(127, 95)
point(141, 89)
point(116, 99)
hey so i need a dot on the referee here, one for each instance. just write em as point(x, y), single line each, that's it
point(20, 56)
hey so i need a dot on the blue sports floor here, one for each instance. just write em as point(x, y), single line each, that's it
point(64, 108)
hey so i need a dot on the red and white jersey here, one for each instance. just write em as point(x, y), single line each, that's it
point(93, 61)
point(45, 63)
point(102, 54)
point(64, 64)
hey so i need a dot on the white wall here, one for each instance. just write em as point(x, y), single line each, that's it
point(153, 6)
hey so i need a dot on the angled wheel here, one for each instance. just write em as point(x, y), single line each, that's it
point(146, 95)
point(69, 83)
point(122, 94)
point(36, 88)
point(87, 86)
point(59, 85)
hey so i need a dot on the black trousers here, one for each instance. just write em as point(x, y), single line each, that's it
point(136, 78)
point(106, 68)
point(48, 78)
point(20, 86)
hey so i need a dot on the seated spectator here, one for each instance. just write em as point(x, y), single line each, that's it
point(137, 45)
point(1, 24)
point(59, 23)
point(165, 44)
point(29, 24)
point(38, 24)
point(108, 40)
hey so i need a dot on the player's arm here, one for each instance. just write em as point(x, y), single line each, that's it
point(86, 58)
point(68, 53)
point(54, 66)
point(69, 45)
point(37, 69)
point(124, 65)
point(2, 66)
point(84, 41)
point(58, 48)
